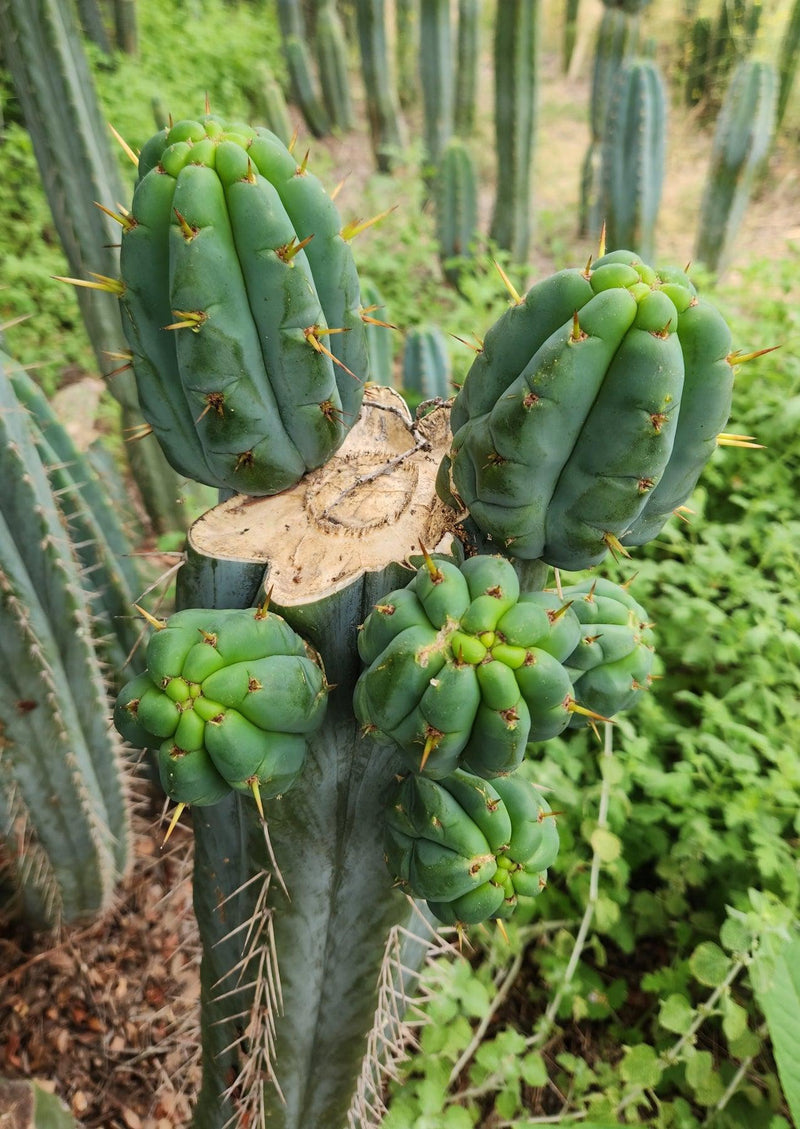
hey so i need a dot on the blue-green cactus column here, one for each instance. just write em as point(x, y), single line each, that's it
point(327, 550)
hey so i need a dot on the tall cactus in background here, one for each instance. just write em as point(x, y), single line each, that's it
point(382, 111)
point(331, 49)
point(269, 105)
point(467, 60)
point(569, 33)
point(617, 37)
point(516, 85)
point(63, 807)
point(54, 86)
point(634, 144)
point(742, 141)
point(298, 63)
point(406, 50)
point(427, 371)
point(92, 24)
point(436, 75)
point(380, 338)
point(126, 26)
point(456, 201)
point(787, 62)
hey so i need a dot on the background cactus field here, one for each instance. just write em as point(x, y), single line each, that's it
point(656, 981)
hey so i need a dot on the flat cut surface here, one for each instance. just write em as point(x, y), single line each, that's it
point(374, 502)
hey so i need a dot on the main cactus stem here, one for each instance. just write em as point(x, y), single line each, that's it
point(294, 912)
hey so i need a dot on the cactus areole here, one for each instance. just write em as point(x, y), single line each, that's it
point(241, 307)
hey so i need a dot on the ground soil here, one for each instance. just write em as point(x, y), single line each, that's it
point(106, 1013)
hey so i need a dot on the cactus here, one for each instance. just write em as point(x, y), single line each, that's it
point(242, 393)
point(298, 63)
point(617, 37)
point(536, 458)
point(634, 144)
point(470, 848)
point(787, 62)
point(66, 856)
point(126, 27)
point(331, 51)
point(406, 50)
point(456, 197)
point(427, 372)
point(468, 57)
point(269, 106)
point(308, 914)
point(436, 76)
point(92, 24)
point(716, 45)
point(610, 667)
point(380, 337)
point(516, 83)
point(227, 700)
point(101, 544)
point(52, 80)
point(459, 670)
point(742, 140)
point(382, 112)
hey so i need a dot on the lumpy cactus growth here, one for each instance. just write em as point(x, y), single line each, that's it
point(227, 700)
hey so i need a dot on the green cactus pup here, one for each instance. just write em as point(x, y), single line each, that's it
point(472, 849)
point(568, 418)
point(455, 671)
point(611, 666)
point(228, 700)
point(243, 392)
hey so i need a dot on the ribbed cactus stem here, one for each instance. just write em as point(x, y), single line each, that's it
point(70, 139)
point(406, 50)
point(382, 110)
point(309, 928)
point(63, 809)
point(427, 372)
point(787, 62)
point(742, 140)
point(633, 157)
point(616, 40)
point(380, 338)
point(516, 83)
point(92, 25)
point(331, 48)
point(298, 63)
point(456, 197)
point(437, 76)
point(126, 26)
point(467, 56)
point(569, 33)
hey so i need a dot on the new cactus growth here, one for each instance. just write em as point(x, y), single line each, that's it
point(634, 144)
point(243, 392)
point(459, 670)
point(472, 849)
point(742, 140)
point(427, 371)
point(611, 665)
point(567, 420)
point(228, 699)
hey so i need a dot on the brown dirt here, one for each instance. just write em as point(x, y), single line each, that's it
point(105, 1014)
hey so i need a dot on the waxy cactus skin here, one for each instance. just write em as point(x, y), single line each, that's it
point(227, 700)
point(568, 419)
point(463, 671)
point(470, 848)
point(241, 307)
